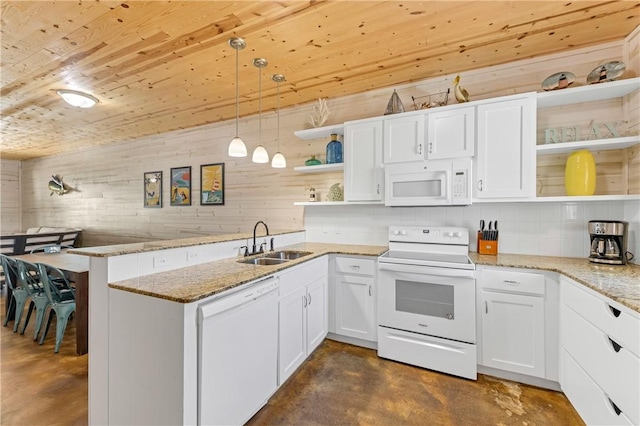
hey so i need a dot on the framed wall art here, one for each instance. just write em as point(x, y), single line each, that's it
point(212, 184)
point(180, 186)
point(153, 189)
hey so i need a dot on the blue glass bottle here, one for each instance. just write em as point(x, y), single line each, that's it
point(334, 150)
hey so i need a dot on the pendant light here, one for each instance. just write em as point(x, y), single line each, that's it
point(260, 154)
point(237, 147)
point(278, 161)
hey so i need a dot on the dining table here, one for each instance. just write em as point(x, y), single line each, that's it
point(76, 269)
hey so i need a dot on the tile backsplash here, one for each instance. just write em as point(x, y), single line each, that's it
point(546, 229)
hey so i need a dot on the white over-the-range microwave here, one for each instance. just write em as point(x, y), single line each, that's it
point(428, 183)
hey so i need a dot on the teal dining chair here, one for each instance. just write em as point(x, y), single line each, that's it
point(29, 280)
point(62, 301)
point(19, 296)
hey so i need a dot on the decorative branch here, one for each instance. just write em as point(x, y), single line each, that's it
point(320, 113)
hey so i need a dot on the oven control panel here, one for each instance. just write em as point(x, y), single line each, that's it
point(429, 234)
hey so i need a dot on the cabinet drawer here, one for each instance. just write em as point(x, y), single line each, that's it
point(352, 265)
point(301, 275)
point(607, 315)
point(614, 369)
point(593, 405)
point(513, 282)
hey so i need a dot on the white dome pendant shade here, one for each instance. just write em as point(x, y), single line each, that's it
point(237, 147)
point(278, 161)
point(260, 154)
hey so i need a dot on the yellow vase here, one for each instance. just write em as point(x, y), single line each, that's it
point(580, 173)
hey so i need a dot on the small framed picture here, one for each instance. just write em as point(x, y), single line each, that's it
point(180, 186)
point(153, 189)
point(212, 184)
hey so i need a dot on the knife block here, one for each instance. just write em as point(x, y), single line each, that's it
point(487, 246)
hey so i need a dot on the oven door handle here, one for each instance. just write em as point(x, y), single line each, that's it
point(427, 270)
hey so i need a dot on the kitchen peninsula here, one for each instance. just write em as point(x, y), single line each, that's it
point(145, 300)
point(144, 303)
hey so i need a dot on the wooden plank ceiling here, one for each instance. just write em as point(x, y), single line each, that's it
point(158, 66)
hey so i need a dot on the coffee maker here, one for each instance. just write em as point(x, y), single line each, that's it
point(608, 241)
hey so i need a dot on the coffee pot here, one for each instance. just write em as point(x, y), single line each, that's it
point(608, 241)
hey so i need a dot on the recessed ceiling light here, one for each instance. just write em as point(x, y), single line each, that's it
point(77, 99)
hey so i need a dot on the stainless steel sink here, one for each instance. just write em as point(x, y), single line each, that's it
point(276, 257)
point(264, 261)
point(286, 254)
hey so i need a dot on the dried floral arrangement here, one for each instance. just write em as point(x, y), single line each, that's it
point(320, 113)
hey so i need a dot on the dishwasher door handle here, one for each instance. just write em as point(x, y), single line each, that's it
point(237, 298)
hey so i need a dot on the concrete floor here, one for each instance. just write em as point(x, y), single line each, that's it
point(347, 385)
point(338, 385)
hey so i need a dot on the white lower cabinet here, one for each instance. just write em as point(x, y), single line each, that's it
point(317, 313)
point(354, 284)
point(599, 363)
point(513, 320)
point(591, 402)
point(303, 314)
point(513, 333)
point(292, 332)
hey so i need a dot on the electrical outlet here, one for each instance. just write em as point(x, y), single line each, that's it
point(193, 256)
point(161, 262)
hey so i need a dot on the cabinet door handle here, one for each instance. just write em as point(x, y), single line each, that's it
point(304, 303)
point(480, 185)
point(430, 147)
point(419, 148)
point(511, 282)
point(615, 407)
point(378, 190)
point(486, 307)
point(616, 312)
point(370, 291)
point(309, 304)
point(616, 347)
point(354, 266)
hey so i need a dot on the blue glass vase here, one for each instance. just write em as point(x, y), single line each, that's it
point(334, 150)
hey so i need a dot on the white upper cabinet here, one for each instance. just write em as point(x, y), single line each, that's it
point(363, 173)
point(404, 139)
point(430, 135)
point(506, 156)
point(451, 133)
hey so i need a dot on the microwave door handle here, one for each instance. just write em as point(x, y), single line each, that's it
point(447, 186)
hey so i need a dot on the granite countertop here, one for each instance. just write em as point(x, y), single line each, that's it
point(190, 284)
point(122, 249)
point(185, 285)
point(618, 282)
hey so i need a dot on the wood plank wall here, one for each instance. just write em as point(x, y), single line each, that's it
point(10, 199)
point(614, 171)
point(108, 204)
point(631, 55)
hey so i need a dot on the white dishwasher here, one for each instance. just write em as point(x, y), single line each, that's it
point(237, 353)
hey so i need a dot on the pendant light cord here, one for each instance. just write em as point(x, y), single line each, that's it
point(237, 94)
point(259, 106)
point(278, 108)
